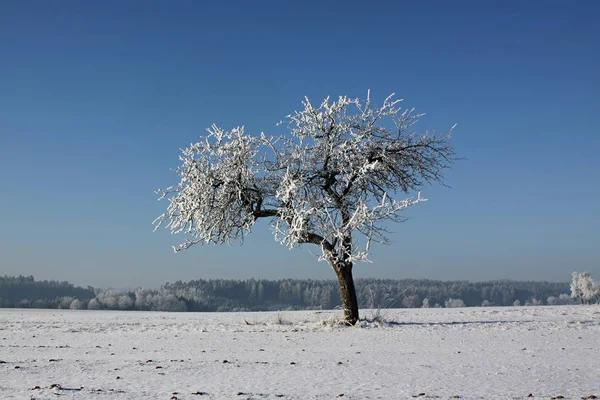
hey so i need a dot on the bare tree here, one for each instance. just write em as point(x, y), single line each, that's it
point(331, 180)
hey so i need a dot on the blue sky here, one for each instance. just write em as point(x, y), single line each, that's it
point(96, 98)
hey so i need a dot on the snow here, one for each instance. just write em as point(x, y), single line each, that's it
point(474, 353)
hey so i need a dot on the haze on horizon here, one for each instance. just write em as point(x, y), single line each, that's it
point(97, 98)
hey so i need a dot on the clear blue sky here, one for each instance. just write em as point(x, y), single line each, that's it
point(96, 98)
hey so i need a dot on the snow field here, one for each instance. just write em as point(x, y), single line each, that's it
point(472, 353)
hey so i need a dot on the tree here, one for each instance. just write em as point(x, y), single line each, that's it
point(582, 286)
point(454, 303)
point(411, 301)
point(77, 304)
point(596, 291)
point(586, 284)
point(576, 287)
point(331, 180)
point(94, 304)
point(125, 302)
point(564, 298)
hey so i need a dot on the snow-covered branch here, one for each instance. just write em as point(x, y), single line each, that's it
point(335, 175)
point(221, 191)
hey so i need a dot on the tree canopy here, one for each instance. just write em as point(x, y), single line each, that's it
point(343, 169)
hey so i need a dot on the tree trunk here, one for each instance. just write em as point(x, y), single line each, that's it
point(348, 293)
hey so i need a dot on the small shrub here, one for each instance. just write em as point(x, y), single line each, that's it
point(280, 320)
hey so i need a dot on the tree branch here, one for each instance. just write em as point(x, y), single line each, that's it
point(265, 213)
point(318, 240)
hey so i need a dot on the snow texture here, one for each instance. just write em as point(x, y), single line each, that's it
point(473, 353)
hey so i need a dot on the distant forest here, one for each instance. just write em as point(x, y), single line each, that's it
point(286, 294)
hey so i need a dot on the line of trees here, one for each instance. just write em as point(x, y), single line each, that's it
point(264, 295)
point(25, 291)
point(226, 295)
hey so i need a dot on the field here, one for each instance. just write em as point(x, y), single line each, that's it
point(468, 353)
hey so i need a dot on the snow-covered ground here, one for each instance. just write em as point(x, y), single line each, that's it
point(469, 353)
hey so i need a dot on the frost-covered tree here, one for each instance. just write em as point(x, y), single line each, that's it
point(596, 291)
point(411, 301)
point(586, 284)
point(576, 286)
point(77, 304)
point(94, 304)
point(582, 286)
point(109, 299)
point(454, 303)
point(125, 302)
point(140, 299)
point(65, 302)
point(333, 181)
point(564, 298)
point(170, 303)
point(426, 303)
point(533, 302)
point(553, 301)
point(24, 303)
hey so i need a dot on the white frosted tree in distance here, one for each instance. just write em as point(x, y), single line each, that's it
point(596, 291)
point(332, 179)
point(454, 303)
point(575, 286)
point(582, 286)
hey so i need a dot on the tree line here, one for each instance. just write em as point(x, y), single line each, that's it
point(294, 294)
point(25, 291)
